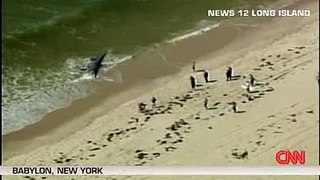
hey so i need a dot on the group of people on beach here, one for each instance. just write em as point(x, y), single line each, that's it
point(193, 79)
point(142, 106)
point(229, 77)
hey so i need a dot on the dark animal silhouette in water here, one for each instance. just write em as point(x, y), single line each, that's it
point(94, 65)
point(193, 82)
point(229, 74)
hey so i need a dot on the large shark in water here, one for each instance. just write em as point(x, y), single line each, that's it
point(95, 64)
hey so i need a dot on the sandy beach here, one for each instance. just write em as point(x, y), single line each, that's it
point(281, 112)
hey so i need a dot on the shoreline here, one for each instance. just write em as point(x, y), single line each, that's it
point(49, 129)
point(194, 32)
point(54, 122)
point(53, 126)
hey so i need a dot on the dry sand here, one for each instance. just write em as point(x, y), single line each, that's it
point(281, 53)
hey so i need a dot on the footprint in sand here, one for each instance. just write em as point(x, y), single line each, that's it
point(177, 133)
point(272, 68)
point(293, 120)
point(58, 161)
point(147, 118)
point(140, 164)
point(94, 149)
point(177, 141)
point(300, 47)
point(293, 115)
point(168, 136)
point(269, 63)
point(259, 143)
point(254, 150)
point(243, 155)
point(270, 125)
point(162, 142)
point(133, 120)
point(261, 129)
point(270, 89)
point(156, 154)
point(110, 136)
point(170, 148)
point(277, 132)
point(310, 112)
point(141, 155)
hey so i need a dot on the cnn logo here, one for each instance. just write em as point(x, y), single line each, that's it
point(295, 157)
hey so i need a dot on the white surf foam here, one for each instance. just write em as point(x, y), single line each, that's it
point(25, 103)
point(194, 33)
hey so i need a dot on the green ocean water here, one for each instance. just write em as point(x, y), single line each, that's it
point(45, 43)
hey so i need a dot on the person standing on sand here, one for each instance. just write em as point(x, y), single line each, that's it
point(252, 80)
point(193, 82)
point(206, 103)
point(206, 76)
point(249, 87)
point(142, 107)
point(229, 74)
point(234, 107)
point(194, 66)
point(154, 102)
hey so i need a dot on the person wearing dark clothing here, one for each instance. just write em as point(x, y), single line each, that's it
point(234, 107)
point(194, 66)
point(206, 103)
point(154, 102)
point(206, 76)
point(249, 87)
point(142, 107)
point(229, 74)
point(252, 80)
point(193, 82)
